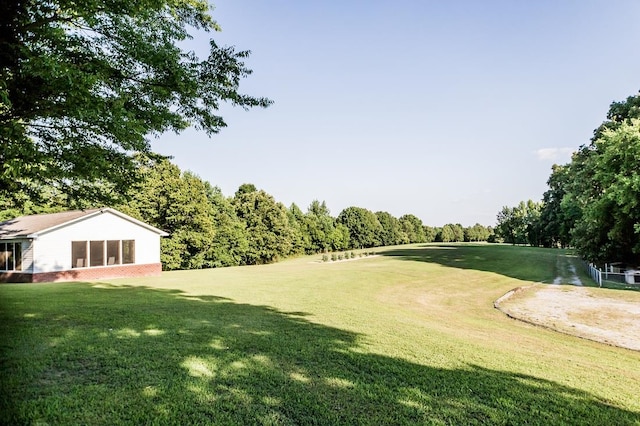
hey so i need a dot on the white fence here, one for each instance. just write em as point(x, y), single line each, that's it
point(595, 273)
point(608, 278)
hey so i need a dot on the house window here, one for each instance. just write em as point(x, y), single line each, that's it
point(100, 253)
point(78, 254)
point(96, 253)
point(128, 251)
point(113, 252)
point(11, 256)
point(17, 256)
point(4, 256)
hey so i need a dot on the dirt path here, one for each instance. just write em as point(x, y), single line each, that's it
point(566, 271)
point(568, 307)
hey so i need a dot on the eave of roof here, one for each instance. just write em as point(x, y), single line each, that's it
point(34, 225)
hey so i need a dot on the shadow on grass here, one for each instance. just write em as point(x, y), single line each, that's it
point(87, 354)
point(524, 263)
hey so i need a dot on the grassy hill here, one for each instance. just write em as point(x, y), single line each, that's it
point(406, 337)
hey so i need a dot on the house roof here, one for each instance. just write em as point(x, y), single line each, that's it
point(33, 225)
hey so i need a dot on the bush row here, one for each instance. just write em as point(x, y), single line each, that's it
point(333, 257)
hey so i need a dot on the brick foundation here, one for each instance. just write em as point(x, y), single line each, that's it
point(85, 274)
point(14, 277)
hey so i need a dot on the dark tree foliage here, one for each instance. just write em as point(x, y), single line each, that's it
point(392, 232)
point(413, 228)
point(83, 85)
point(556, 222)
point(431, 233)
point(321, 231)
point(593, 203)
point(363, 225)
point(608, 227)
point(520, 224)
point(476, 233)
point(177, 203)
point(270, 236)
point(230, 243)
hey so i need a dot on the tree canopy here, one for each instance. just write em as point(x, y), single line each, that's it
point(363, 225)
point(83, 85)
point(593, 203)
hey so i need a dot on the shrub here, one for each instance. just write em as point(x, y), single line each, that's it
point(340, 256)
point(334, 257)
point(353, 255)
point(325, 258)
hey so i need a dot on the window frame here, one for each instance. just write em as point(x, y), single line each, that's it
point(123, 252)
point(128, 252)
point(11, 257)
point(96, 253)
point(75, 256)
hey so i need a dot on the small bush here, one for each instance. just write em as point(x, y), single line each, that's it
point(334, 257)
point(353, 255)
point(325, 258)
point(340, 256)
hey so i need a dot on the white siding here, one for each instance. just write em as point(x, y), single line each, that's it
point(27, 256)
point(52, 250)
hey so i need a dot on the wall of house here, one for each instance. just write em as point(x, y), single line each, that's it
point(52, 250)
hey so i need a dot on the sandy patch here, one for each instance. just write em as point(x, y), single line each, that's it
point(576, 310)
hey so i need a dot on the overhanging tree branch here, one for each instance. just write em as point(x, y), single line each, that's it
point(92, 77)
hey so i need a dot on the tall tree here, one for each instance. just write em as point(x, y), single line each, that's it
point(556, 218)
point(230, 241)
point(269, 234)
point(363, 225)
point(392, 232)
point(609, 226)
point(520, 224)
point(321, 229)
point(446, 234)
point(412, 226)
point(458, 232)
point(476, 232)
point(301, 242)
point(430, 234)
point(83, 85)
point(177, 203)
point(592, 202)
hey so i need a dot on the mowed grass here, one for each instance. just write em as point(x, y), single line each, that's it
point(406, 337)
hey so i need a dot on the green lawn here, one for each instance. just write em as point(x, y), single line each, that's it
point(407, 337)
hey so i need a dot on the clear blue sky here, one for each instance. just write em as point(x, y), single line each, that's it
point(448, 110)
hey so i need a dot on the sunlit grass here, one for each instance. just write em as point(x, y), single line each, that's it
point(407, 337)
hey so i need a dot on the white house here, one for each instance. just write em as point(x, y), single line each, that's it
point(78, 246)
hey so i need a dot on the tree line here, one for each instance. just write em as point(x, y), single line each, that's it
point(208, 229)
point(593, 202)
